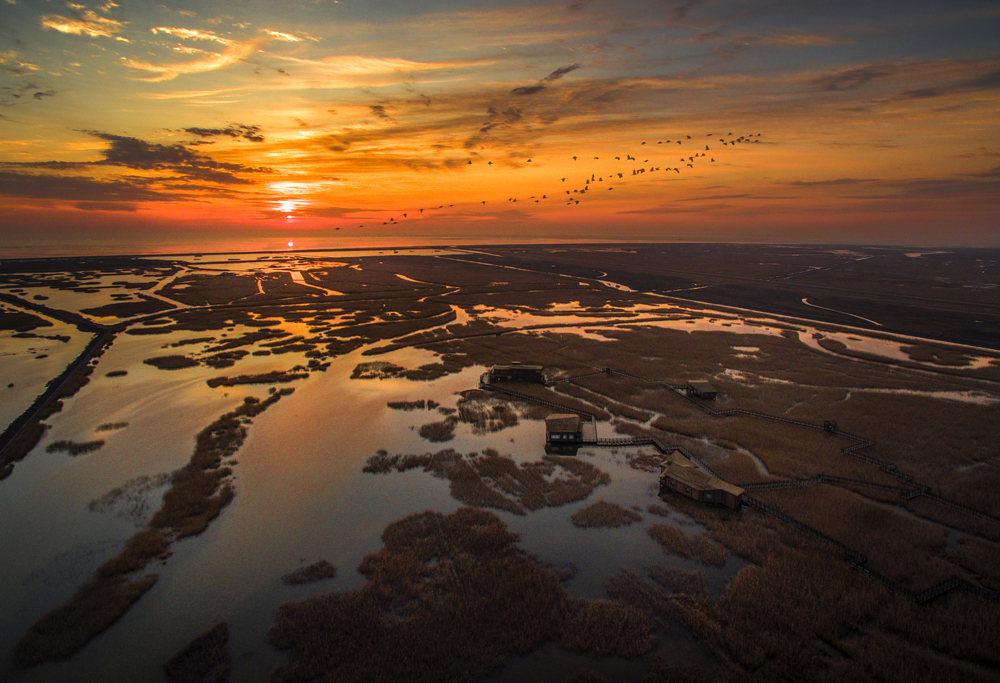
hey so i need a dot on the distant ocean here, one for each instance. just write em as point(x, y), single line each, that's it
point(229, 245)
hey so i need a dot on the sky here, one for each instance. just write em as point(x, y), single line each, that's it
point(133, 123)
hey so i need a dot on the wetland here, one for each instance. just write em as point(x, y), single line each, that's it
point(285, 468)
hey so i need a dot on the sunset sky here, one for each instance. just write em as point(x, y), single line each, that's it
point(137, 122)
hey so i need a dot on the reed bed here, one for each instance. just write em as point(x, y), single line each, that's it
point(680, 581)
point(274, 377)
point(205, 659)
point(172, 362)
point(316, 571)
point(980, 558)
point(658, 510)
point(603, 514)
point(198, 492)
point(437, 432)
point(74, 447)
point(901, 547)
point(676, 541)
point(95, 606)
point(497, 481)
point(447, 598)
point(111, 426)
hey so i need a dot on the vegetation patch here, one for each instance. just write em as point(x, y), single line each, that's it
point(437, 432)
point(486, 414)
point(95, 606)
point(19, 321)
point(680, 580)
point(174, 362)
point(938, 355)
point(377, 370)
point(447, 598)
point(111, 426)
point(603, 514)
point(131, 499)
point(496, 481)
point(314, 572)
point(117, 373)
point(409, 405)
point(198, 492)
point(74, 447)
point(204, 660)
point(275, 377)
point(676, 541)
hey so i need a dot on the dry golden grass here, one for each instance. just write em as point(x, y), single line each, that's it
point(448, 598)
point(603, 514)
point(674, 540)
point(204, 660)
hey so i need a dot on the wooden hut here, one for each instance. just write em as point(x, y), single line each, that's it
point(516, 372)
point(678, 474)
point(563, 429)
point(701, 389)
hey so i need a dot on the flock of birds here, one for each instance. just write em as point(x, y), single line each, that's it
point(593, 181)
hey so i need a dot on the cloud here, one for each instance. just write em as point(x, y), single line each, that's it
point(850, 79)
point(78, 188)
point(560, 72)
point(527, 90)
point(87, 23)
point(987, 81)
point(47, 93)
point(235, 131)
point(554, 76)
point(167, 72)
point(192, 34)
point(379, 111)
point(141, 155)
point(130, 207)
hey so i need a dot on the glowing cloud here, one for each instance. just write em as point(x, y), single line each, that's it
point(88, 23)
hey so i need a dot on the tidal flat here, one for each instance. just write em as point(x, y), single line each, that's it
point(385, 461)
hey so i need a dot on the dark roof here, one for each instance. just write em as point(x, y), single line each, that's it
point(518, 366)
point(701, 386)
point(562, 423)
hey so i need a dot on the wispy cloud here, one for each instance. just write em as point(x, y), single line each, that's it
point(191, 34)
point(85, 22)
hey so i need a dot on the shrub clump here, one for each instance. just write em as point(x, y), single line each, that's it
point(447, 598)
point(604, 514)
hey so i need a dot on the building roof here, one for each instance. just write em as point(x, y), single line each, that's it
point(518, 366)
point(682, 469)
point(562, 423)
point(701, 386)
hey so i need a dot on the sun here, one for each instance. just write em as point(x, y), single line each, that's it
point(291, 244)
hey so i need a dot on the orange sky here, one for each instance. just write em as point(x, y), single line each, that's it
point(139, 123)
